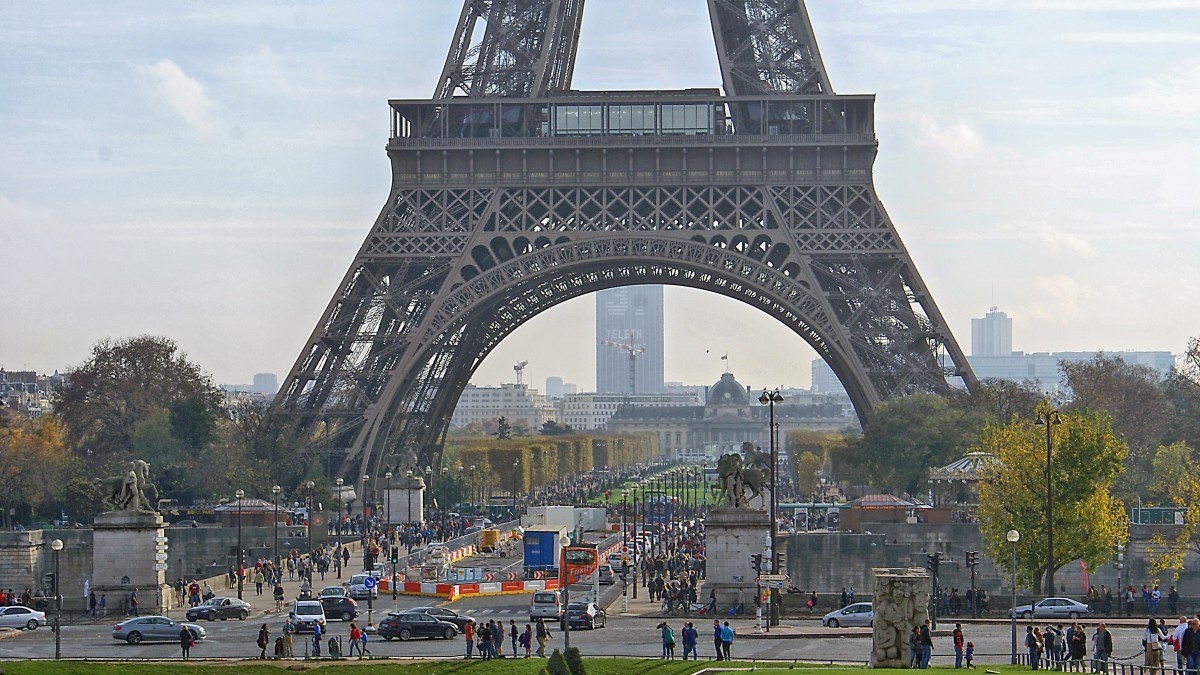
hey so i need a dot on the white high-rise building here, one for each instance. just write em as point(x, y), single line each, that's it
point(991, 335)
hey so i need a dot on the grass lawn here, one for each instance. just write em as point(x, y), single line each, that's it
point(595, 666)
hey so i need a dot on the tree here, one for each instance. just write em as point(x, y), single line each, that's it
point(553, 428)
point(574, 661)
point(1131, 394)
point(1087, 459)
point(557, 665)
point(1176, 484)
point(807, 466)
point(908, 436)
point(34, 464)
point(192, 420)
point(1182, 389)
point(1000, 401)
point(503, 429)
point(102, 401)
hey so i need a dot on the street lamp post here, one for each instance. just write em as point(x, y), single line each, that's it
point(1048, 419)
point(635, 543)
point(408, 488)
point(428, 486)
point(388, 477)
point(312, 486)
point(1013, 537)
point(57, 546)
point(366, 552)
point(337, 555)
point(770, 399)
point(625, 549)
point(240, 568)
point(363, 498)
point(275, 490)
point(516, 465)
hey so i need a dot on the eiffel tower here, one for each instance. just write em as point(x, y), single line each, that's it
point(512, 192)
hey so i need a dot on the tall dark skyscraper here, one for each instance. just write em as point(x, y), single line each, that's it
point(629, 315)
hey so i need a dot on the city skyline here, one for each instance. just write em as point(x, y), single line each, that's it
point(227, 164)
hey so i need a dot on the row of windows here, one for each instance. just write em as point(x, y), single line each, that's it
point(652, 119)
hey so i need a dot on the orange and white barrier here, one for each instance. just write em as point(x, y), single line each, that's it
point(455, 591)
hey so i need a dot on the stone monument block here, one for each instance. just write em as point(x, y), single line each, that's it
point(901, 602)
point(733, 535)
point(129, 552)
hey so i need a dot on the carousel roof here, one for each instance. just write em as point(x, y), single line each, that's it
point(881, 502)
point(248, 504)
point(968, 467)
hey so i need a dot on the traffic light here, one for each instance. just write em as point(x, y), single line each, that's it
point(972, 558)
point(48, 582)
point(395, 555)
point(756, 562)
point(1118, 555)
point(932, 562)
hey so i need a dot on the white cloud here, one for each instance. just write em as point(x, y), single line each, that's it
point(1134, 37)
point(958, 140)
point(180, 92)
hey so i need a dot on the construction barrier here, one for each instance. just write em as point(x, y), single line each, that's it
point(455, 591)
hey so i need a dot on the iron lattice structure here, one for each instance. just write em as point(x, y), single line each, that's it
point(511, 194)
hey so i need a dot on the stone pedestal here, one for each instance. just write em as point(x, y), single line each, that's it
point(732, 537)
point(129, 552)
point(901, 602)
point(404, 503)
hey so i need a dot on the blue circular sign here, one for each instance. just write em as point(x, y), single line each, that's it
point(369, 582)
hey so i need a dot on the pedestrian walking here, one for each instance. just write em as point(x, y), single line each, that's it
point(362, 644)
point(1189, 645)
point(186, 642)
point(1102, 647)
point(527, 640)
point(543, 633)
point(970, 655)
point(1152, 642)
point(92, 603)
point(690, 637)
point(264, 639)
point(717, 650)
point(102, 604)
point(926, 644)
point(959, 643)
point(354, 634)
point(316, 639)
point(727, 635)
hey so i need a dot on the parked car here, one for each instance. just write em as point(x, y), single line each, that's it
point(307, 613)
point(154, 629)
point(220, 608)
point(408, 625)
point(588, 615)
point(857, 614)
point(1052, 608)
point(21, 618)
point(358, 587)
point(606, 574)
point(443, 614)
point(545, 605)
point(185, 523)
point(339, 607)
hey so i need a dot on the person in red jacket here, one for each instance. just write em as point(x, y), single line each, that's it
point(958, 645)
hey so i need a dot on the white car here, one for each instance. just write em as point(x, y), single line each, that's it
point(309, 612)
point(21, 618)
point(1052, 608)
point(358, 587)
point(857, 614)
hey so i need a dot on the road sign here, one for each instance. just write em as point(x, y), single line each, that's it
point(160, 567)
point(512, 576)
point(160, 540)
point(369, 582)
point(160, 557)
point(772, 577)
point(489, 577)
point(539, 575)
point(624, 548)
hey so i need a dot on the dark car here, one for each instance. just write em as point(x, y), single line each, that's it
point(443, 614)
point(220, 608)
point(342, 608)
point(587, 615)
point(408, 625)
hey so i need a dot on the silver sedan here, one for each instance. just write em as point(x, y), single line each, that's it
point(857, 614)
point(21, 617)
point(154, 629)
point(1052, 608)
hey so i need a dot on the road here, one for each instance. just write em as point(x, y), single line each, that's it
point(624, 636)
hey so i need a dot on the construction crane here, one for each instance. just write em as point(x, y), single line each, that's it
point(519, 369)
point(634, 351)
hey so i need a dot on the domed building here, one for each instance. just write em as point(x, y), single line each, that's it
point(730, 416)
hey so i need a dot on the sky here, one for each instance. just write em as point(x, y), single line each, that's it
point(207, 170)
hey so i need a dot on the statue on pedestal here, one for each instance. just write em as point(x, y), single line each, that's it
point(128, 491)
point(735, 476)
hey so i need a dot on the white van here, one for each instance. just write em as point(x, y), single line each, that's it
point(307, 613)
point(545, 605)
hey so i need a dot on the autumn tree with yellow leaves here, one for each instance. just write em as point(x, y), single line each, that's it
point(1086, 460)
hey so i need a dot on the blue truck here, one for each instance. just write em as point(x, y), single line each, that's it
point(543, 546)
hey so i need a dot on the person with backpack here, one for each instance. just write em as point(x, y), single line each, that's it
point(543, 634)
point(264, 639)
point(668, 640)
